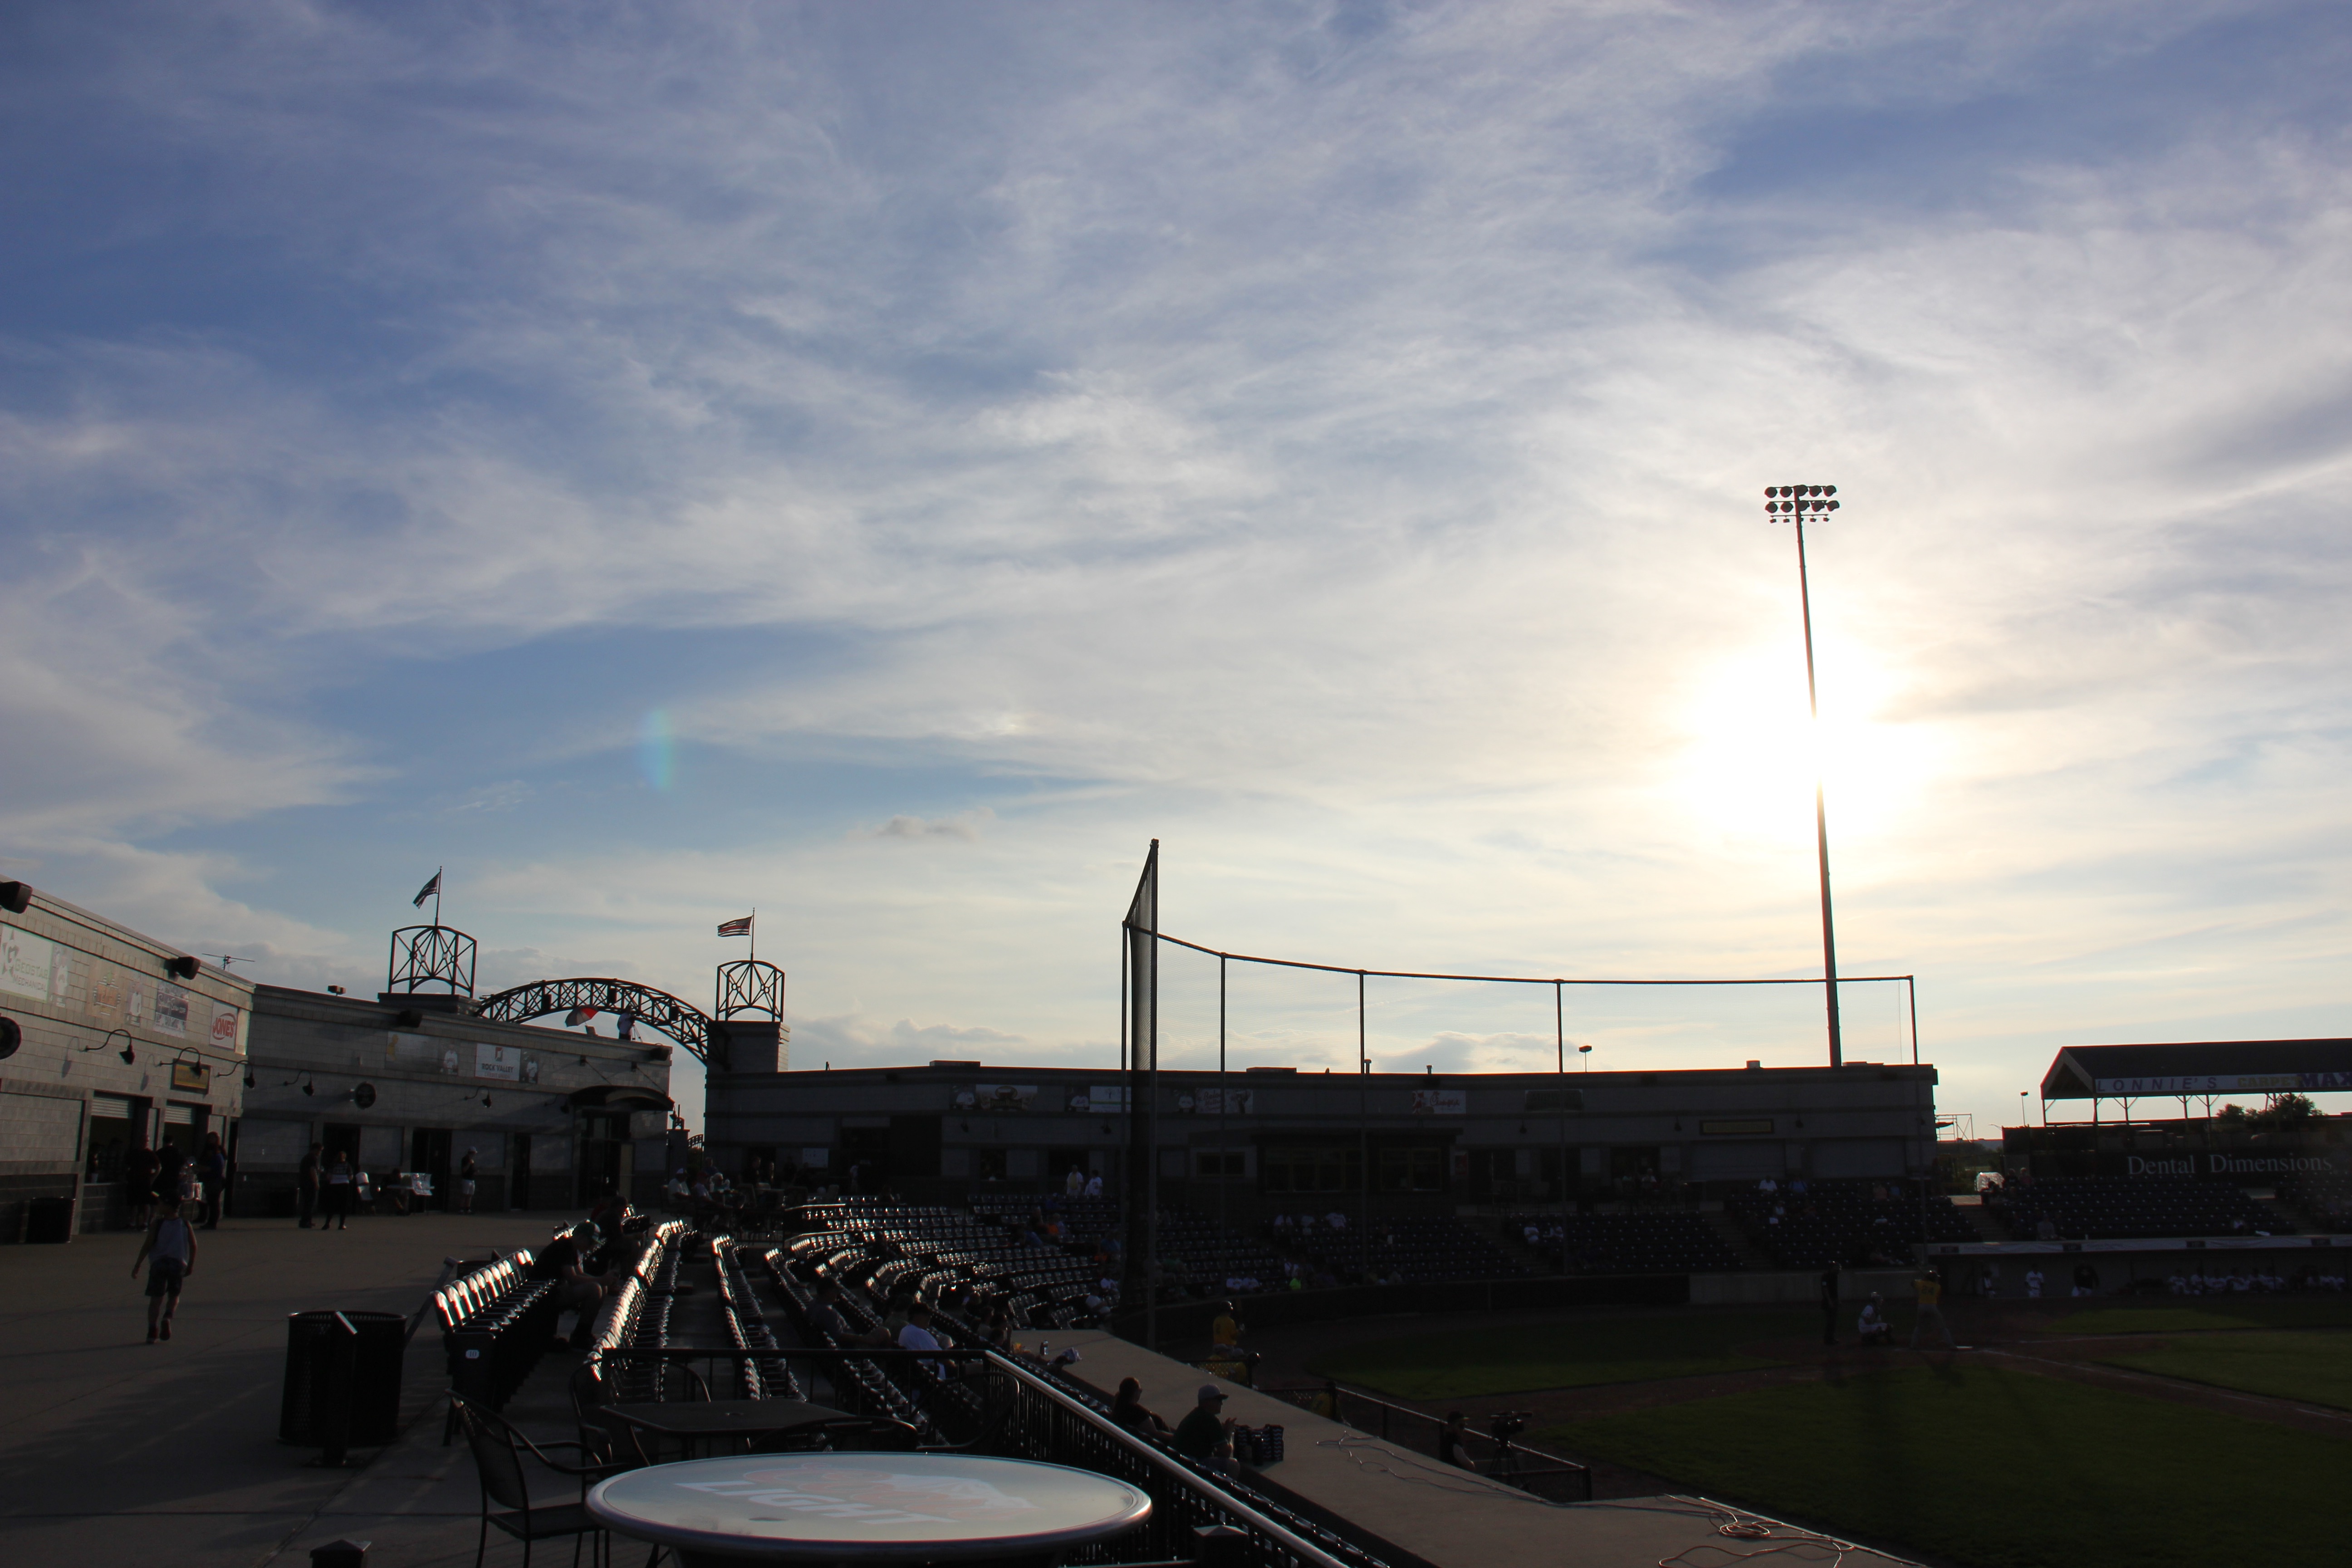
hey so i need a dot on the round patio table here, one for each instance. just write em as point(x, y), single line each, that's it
point(864, 1507)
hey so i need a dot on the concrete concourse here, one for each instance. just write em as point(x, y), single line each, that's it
point(118, 1451)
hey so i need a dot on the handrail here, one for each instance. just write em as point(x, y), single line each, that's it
point(1171, 1466)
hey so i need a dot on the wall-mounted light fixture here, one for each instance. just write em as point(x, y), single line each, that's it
point(130, 1055)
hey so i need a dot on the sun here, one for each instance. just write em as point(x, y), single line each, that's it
point(1749, 751)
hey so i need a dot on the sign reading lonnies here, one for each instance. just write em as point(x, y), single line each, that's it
point(2226, 1083)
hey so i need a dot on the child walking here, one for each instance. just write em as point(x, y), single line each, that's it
point(170, 1253)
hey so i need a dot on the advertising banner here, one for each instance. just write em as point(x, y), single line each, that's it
point(27, 962)
point(225, 1028)
point(498, 1062)
point(1100, 1096)
point(1215, 1102)
point(171, 1009)
point(1439, 1102)
point(192, 1078)
point(996, 1099)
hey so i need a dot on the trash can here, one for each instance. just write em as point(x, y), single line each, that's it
point(319, 1391)
point(49, 1219)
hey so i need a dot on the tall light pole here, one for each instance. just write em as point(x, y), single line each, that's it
point(1793, 503)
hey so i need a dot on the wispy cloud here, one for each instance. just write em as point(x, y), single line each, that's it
point(1328, 436)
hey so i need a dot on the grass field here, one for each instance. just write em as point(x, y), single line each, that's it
point(2313, 1368)
point(1998, 1469)
point(1571, 1354)
point(2227, 1312)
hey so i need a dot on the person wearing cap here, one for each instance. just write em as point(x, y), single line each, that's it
point(466, 1172)
point(1203, 1433)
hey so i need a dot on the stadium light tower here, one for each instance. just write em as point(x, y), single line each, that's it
point(1795, 503)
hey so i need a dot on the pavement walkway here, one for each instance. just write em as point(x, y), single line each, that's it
point(117, 1451)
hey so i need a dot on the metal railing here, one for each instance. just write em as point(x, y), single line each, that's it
point(1497, 1454)
point(987, 1403)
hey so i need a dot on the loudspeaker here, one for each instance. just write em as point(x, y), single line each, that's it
point(181, 968)
point(12, 1034)
point(408, 1018)
point(15, 896)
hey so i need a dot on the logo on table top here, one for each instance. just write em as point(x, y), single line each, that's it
point(870, 1497)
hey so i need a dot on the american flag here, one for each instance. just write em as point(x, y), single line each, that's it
point(737, 928)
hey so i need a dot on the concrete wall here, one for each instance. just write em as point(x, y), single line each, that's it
point(82, 987)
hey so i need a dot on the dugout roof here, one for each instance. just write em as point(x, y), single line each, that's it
point(2205, 1066)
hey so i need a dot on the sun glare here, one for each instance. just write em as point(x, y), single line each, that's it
point(1750, 751)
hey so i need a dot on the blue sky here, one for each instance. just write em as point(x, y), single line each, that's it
point(885, 464)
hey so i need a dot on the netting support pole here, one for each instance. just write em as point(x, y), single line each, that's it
point(1363, 1128)
point(1911, 985)
point(1560, 1053)
point(1224, 1100)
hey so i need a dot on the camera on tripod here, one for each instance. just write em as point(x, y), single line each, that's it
point(1506, 1425)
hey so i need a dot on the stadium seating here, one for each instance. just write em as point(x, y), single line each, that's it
point(1417, 1247)
point(1650, 1243)
point(2324, 1199)
point(1854, 1224)
point(2119, 1207)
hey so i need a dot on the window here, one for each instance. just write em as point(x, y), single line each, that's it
point(1306, 1169)
point(1418, 1168)
point(1218, 1165)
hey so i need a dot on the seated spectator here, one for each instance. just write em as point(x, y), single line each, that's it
point(576, 1291)
point(1451, 1449)
point(915, 1334)
point(1336, 1220)
point(1126, 1410)
point(1206, 1434)
point(825, 1316)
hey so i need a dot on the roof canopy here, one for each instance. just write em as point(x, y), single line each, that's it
point(2206, 1067)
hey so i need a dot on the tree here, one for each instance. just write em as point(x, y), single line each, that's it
point(2283, 1113)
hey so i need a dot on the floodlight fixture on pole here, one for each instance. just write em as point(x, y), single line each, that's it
point(1795, 503)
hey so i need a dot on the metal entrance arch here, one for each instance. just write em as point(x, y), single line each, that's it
point(660, 1010)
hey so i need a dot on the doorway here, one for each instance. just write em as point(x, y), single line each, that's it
point(428, 1151)
point(603, 1140)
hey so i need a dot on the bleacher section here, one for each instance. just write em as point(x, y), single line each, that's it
point(2324, 1200)
point(1417, 1247)
point(1854, 1224)
point(1664, 1243)
point(2120, 1207)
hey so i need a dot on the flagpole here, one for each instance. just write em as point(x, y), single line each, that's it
point(437, 872)
point(755, 933)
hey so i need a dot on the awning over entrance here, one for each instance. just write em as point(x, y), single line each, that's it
point(618, 1097)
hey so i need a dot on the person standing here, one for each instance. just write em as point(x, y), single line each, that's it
point(170, 1253)
point(306, 1185)
point(342, 1190)
point(211, 1174)
point(465, 1172)
point(171, 1166)
point(1828, 1304)
point(1930, 1291)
